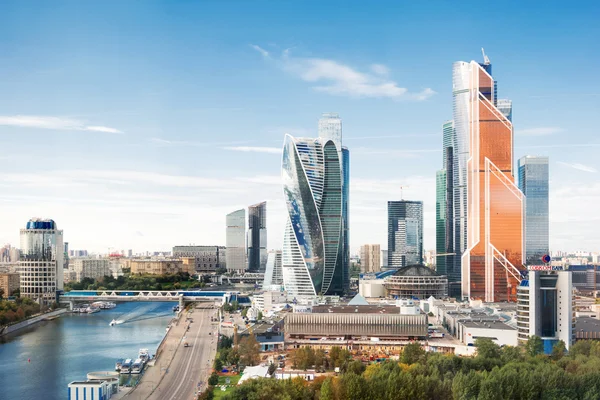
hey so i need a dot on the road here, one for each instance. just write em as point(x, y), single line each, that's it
point(178, 369)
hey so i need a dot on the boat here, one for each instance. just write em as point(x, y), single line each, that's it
point(144, 355)
point(118, 364)
point(126, 366)
point(92, 310)
point(113, 322)
point(137, 366)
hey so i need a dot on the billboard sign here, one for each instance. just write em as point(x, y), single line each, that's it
point(545, 268)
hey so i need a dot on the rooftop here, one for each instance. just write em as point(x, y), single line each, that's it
point(488, 325)
point(359, 309)
point(415, 270)
point(587, 324)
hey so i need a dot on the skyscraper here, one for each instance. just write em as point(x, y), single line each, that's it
point(405, 233)
point(488, 213)
point(312, 254)
point(370, 258)
point(257, 237)
point(41, 263)
point(273, 273)
point(533, 182)
point(235, 241)
point(440, 221)
point(330, 128)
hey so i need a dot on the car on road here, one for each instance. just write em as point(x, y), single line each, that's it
point(186, 344)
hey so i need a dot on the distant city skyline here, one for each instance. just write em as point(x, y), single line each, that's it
point(153, 138)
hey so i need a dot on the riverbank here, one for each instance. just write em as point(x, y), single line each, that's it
point(31, 321)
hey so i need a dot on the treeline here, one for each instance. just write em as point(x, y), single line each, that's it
point(18, 310)
point(494, 374)
point(181, 280)
point(247, 353)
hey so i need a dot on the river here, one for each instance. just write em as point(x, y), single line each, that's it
point(67, 348)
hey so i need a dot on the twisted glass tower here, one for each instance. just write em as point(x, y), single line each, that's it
point(312, 257)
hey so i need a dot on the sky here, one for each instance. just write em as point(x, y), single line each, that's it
point(141, 124)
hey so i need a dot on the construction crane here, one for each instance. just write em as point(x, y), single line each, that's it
point(486, 60)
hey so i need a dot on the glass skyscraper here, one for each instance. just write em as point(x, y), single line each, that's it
point(345, 220)
point(235, 241)
point(273, 274)
point(41, 263)
point(405, 233)
point(312, 257)
point(440, 221)
point(533, 182)
point(488, 211)
point(257, 237)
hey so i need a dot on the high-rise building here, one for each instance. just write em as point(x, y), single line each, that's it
point(545, 305)
point(257, 237)
point(273, 273)
point(488, 212)
point(384, 259)
point(235, 241)
point(312, 256)
point(330, 128)
point(41, 263)
point(533, 182)
point(370, 258)
point(91, 268)
point(440, 221)
point(9, 283)
point(405, 233)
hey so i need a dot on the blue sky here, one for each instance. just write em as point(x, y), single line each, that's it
point(141, 124)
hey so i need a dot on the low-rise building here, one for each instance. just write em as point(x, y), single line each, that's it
point(499, 332)
point(91, 268)
point(9, 282)
point(416, 281)
point(156, 267)
point(100, 390)
point(208, 258)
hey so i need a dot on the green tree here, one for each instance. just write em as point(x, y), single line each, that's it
point(412, 353)
point(249, 350)
point(327, 391)
point(534, 346)
point(558, 350)
point(213, 380)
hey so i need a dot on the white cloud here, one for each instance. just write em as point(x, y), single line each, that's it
point(541, 131)
point(260, 50)
point(380, 69)
point(579, 166)
point(250, 149)
point(332, 77)
point(54, 123)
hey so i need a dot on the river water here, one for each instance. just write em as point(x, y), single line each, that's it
point(67, 348)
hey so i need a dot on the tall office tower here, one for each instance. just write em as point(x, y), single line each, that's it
point(273, 273)
point(257, 237)
point(330, 128)
point(405, 233)
point(312, 257)
point(545, 305)
point(533, 182)
point(440, 222)
point(370, 258)
point(235, 241)
point(487, 204)
point(384, 259)
point(66, 255)
point(41, 263)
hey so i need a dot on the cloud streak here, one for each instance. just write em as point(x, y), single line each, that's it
point(251, 149)
point(541, 131)
point(579, 167)
point(335, 78)
point(53, 123)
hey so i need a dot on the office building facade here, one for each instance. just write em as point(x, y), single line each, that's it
point(41, 265)
point(370, 258)
point(273, 272)
point(257, 237)
point(93, 268)
point(546, 308)
point(235, 241)
point(405, 233)
point(488, 210)
point(440, 221)
point(312, 256)
point(208, 258)
point(533, 182)
point(9, 283)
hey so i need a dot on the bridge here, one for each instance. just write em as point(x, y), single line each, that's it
point(180, 296)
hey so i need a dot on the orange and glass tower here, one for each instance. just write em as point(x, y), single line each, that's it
point(488, 204)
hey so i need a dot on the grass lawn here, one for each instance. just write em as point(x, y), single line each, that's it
point(222, 381)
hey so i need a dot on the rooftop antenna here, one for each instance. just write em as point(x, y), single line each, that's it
point(486, 60)
point(402, 191)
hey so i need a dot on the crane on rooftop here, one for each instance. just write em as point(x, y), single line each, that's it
point(486, 59)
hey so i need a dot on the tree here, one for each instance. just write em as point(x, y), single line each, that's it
point(249, 350)
point(412, 353)
point(213, 380)
point(486, 348)
point(534, 346)
point(558, 350)
point(259, 316)
point(208, 394)
point(218, 365)
point(327, 392)
point(303, 358)
point(1, 293)
point(356, 367)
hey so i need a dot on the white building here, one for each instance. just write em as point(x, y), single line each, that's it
point(236, 241)
point(370, 288)
point(499, 332)
point(270, 301)
point(545, 308)
point(42, 258)
point(273, 272)
point(99, 390)
point(91, 268)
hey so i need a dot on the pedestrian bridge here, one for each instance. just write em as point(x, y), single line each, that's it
point(180, 296)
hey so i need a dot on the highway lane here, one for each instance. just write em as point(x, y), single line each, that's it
point(179, 369)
